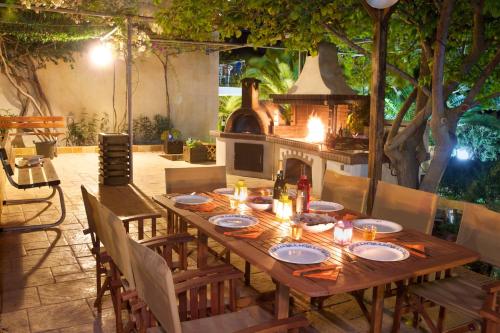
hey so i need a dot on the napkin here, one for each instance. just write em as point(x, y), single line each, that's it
point(415, 248)
point(328, 272)
point(251, 234)
point(326, 275)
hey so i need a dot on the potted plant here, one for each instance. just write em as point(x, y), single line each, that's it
point(47, 144)
point(194, 151)
point(172, 143)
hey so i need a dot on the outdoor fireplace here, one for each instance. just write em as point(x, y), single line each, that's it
point(253, 117)
point(258, 141)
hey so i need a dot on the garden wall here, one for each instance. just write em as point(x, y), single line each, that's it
point(193, 88)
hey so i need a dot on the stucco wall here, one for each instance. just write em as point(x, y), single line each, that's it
point(193, 87)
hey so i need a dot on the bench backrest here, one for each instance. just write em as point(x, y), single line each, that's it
point(32, 122)
point(199, 179)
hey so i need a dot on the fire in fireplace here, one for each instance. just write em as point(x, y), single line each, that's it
point(315, 130)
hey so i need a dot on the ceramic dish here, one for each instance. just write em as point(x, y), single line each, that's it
point(299, 253)
point(224, 191)
point(383, 226)
point(315, 222)
point(233, 221)
point(324, 206)
point(378, 251)
point(191, 199)
point(259, 203)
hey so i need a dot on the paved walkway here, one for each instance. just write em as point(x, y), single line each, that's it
point(47, 279)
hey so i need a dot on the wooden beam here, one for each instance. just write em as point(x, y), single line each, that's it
point(129, 96)
point(377, 95)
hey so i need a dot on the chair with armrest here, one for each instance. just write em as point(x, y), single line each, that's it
point(158, 288)
point(472, 295)
point(114, 262)
point(413, 209)
point(350, 191)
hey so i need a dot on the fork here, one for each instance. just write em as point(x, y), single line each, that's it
point(355, 261)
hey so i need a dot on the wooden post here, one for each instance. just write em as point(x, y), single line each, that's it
point(128, 61)
point(377, 95)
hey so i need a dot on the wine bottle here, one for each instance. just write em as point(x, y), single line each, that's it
point(277, 190)
point(303, 192)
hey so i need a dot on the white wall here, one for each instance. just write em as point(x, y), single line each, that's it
point(193, 87)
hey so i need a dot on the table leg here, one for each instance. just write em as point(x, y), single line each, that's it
point(202, 249)
point(377, 309)
point(281, 301)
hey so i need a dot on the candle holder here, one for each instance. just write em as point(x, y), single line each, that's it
point(342, 233)
point(284, 210)
point(241, 191)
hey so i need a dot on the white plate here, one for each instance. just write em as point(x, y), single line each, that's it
point(234, 221)
point(191, 199)
point(224, 191)
point(260, 206)
point(325, 206)
point(378, 251)
point(328, 222)
point(299, 253)
point(383, 226)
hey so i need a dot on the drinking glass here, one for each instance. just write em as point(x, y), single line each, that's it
point(296, 231)
point(369, 232)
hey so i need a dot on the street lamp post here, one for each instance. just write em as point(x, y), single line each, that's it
point(380, 11)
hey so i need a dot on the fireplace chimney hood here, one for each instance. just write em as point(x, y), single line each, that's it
point(321, 81)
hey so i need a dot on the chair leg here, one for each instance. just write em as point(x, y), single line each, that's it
point(247, 273)
point(40, 226)
point(441, 318)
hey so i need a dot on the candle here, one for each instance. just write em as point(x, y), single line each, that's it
point(342, 233)
point(241, 191)
point(284, 209)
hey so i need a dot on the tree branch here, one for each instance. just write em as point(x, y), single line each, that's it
point(392, 68)
point(478, 85)
point(478, 45)
point(401, 114)
point(419, 120)
point(4, 61)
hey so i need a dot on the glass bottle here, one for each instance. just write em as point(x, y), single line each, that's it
point(303, 192)
point(277, 190)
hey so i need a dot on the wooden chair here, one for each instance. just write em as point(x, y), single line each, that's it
point(114, 262)
point(350, 191)
point(197, 179)
point(411, 208)
point(23, 178)
point(470, 294)
point(157, 287)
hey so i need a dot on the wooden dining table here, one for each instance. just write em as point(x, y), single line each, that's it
point(356, 273)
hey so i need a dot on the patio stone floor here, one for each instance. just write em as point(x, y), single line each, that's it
point(47, 278)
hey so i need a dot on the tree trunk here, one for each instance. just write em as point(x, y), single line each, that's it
point(440, 122)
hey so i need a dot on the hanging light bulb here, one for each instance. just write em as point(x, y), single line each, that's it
point(381, 4)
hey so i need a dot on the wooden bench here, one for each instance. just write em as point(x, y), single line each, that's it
point(42, 175)
point(34, 125)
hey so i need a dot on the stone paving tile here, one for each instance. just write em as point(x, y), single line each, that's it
point(17, 299)
point(76, 276)
point(81, 250)
point(65, 269)
point(86, 263)
point(21, 279)
point(14, 322)
point(66, 291)
point(60, 315)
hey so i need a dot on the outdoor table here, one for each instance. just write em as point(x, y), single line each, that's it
point(355, 274)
